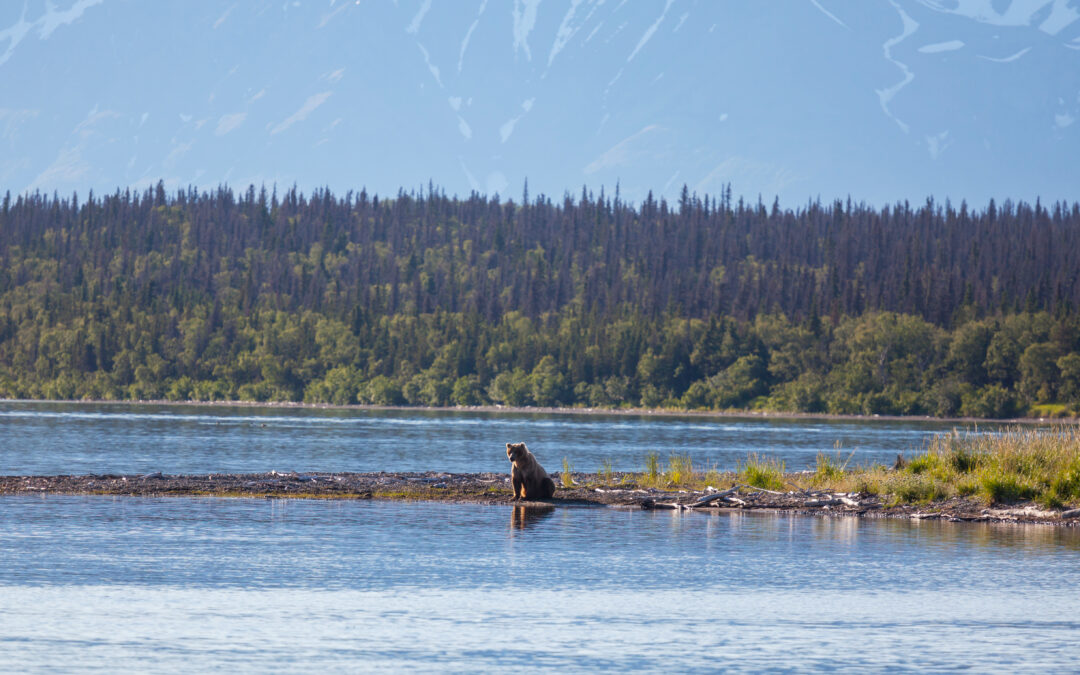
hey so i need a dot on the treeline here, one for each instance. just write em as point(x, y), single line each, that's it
point(429, 300)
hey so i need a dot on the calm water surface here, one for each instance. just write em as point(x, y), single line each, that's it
point(97, 583)
point(79, 438)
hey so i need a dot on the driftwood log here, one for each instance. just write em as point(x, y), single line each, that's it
point(772, 492)
point(834, 501)
point(708, 499)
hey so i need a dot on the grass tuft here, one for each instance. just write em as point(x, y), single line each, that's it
point(713, 477)
point(567, 475)
point(830, 469)
point(652, 469)
point(1005, 488)
point(607, 472)
point(919, 489)
point(680, 470)
point(762, 472)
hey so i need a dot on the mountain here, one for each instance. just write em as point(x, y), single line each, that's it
point(882, 101)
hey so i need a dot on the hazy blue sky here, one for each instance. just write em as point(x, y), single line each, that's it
point(880, 99)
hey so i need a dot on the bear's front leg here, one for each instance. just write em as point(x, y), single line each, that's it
point(519, 487)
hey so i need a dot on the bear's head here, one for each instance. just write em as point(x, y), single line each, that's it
point(516, 451)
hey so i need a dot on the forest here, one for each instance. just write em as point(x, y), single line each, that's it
point(423, 299)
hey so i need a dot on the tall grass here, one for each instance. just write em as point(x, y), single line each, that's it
point(762, 472)
point(607, 472)
point(830, 469)
point(1015, 465)
point(680, 470)
point(567, 475)
point(712, 477)
point(678, 473)
point(652, 469)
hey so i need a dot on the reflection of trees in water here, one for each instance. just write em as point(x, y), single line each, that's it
point(527, 516)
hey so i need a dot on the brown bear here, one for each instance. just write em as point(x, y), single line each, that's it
point(528, 477)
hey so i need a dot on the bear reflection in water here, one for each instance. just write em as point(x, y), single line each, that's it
point(524, 517)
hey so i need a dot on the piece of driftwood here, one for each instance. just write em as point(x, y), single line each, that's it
point(822, 502)
point(735, 500)
point(713, 497)
point(1071, 513)
point(653, 504)
point(667, 505)
point(772, 492)
point(834, 501)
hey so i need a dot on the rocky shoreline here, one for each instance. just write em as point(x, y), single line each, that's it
point(494, 488)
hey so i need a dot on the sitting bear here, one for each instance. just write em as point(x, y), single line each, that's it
point(528, 477)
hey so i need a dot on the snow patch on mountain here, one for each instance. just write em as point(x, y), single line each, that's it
point(468, 34)
point(1052, 16)
point(650, 31)
point(313, 102)
point(507, 128)
point(565, 32)
point(824, 11)
point(432, 68)
point(742, 172)
point(886, 95)
point(414, 26)
point(1007, 59)
point(223, 18)
point(46, 24)
point(937, 144)
point(473, 183)
point(621, 153)
point(524, 21)
point(229, 122)
point(950, 46)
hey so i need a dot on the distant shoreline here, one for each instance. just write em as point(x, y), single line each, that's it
point(538, 410)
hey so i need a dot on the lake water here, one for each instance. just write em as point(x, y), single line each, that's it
point(153, 585)
point(100, 583)
point(77, 438)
